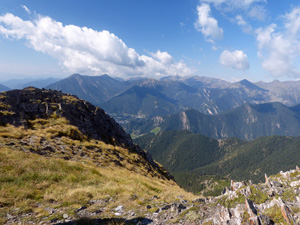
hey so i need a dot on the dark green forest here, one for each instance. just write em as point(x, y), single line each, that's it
point(197, 161)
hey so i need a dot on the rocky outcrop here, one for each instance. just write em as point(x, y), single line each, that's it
point(32, 103)
point(246, 204)
point(242, 203)
point(19, 107)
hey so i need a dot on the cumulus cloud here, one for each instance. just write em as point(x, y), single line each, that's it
point(279, 48)
point(234, 10)
point(235, 60)
point(163, 57)
point(84, 50)
point(207, 24)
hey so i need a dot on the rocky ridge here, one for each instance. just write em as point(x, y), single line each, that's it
point(277, 201)
point(20, 107)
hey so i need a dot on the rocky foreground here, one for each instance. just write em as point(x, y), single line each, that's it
point(277, 201)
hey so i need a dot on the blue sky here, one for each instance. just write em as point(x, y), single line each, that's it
point(228, 39)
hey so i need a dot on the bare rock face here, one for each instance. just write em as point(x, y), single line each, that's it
point(236, 185)
point(250, 208)
point(286, 212)
point(32, 103)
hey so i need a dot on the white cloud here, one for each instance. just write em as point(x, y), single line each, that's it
point(26, 9)
point(162, 64)
point(293, 22)
point(207, 24)
point(163, 57)
point(257, 12)
point(233, 4)
point(84, 50)
point(235, 60)
point(236, 10)
point(247, 28)
point(280, 48)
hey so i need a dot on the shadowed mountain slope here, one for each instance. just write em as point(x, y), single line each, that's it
point(246, 122)
point(95, 89)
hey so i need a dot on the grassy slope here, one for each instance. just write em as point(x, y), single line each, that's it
point(31, 183)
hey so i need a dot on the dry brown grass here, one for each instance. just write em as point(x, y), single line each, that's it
point(28, 180)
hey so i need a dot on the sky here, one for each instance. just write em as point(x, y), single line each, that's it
point(258, 40)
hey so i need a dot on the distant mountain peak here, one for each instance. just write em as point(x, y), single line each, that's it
point(246, 83)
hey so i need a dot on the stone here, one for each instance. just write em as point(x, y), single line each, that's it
point(264, 220)
point(246, 191)
point(232, 195)
point(271, 193)
point(236, 185)
point(181, 206)
point(183, 201)
point(50, 210)
point(154, 197)
point(166, 207)
point(286, 213)
point(276, 184)
point(119, 208)
point(266, 179)
point(225, 191)
point(295, 183)
point(222, 216)
point(98, 211)
point(65, 216)
point(250, 208)
point(261, 220)
point(201, 200)
point(81, 208)
point(280, 192)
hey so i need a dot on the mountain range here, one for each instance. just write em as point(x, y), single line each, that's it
point(208, 95)
point(247, 122)
point(93, 89)
point(27, 82)
point(209, 106)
